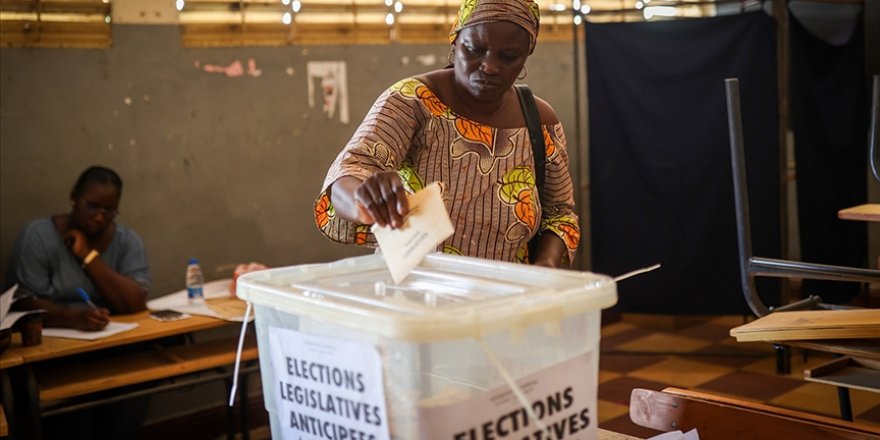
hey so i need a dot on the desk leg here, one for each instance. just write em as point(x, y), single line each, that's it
point(230, 412)
point(33, 403)
point(845, 404)
point(242, 408)
point(243, 405)
point(8, 403)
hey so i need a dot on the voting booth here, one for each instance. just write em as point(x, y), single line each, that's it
point(461, 349)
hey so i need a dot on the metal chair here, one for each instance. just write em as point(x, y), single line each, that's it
point(873, 149)
point(752, 266)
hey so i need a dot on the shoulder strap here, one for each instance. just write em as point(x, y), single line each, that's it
point(533, 122)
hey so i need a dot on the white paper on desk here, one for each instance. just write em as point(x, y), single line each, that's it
point(7, 318)
point(179, 302)
point(678, 435)
point(112, 328)
point(426, 226)
point(217, 289)
point(5, 304)
point(189, 309)
point(6, 300)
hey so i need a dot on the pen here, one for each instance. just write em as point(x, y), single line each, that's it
point(85, 297)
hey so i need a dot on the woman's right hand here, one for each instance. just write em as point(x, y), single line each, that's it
point(381, 199)
point(77, 242)
point(88, 319)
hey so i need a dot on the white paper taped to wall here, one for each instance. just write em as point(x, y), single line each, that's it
point(334, 87)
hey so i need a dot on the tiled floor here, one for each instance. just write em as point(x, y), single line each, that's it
point(704, 357)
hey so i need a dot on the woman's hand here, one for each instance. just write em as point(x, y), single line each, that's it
point(77, 243)
point(549, 252)
point(87, 319)
point(381, 199)
point(80, 318)
point(121, 293)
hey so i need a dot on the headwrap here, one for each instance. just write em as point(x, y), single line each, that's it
point(523, 13)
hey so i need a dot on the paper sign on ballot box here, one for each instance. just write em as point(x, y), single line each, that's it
point(327, 388)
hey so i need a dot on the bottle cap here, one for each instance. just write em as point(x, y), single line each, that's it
point(193, 261)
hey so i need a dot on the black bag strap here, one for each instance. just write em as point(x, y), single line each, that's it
point(536, 136)
point(533, 122)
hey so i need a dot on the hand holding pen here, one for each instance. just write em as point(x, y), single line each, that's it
point(92, 318)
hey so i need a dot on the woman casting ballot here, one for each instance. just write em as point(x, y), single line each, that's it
point(59, 258)
point(462, 126)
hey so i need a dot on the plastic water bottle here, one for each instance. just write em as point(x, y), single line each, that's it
point(194, 282)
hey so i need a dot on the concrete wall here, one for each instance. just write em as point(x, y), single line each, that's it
point(225, 169)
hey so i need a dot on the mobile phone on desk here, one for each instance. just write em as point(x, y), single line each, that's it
point(167, 315)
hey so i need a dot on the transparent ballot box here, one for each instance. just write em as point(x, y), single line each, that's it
point(462, 349)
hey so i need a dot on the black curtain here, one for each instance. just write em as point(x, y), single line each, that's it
point(829, 113)
point(661, 186)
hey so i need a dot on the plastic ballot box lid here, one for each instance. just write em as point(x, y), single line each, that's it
point(445, 297)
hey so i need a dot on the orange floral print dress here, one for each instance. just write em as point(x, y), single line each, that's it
point(487, 174)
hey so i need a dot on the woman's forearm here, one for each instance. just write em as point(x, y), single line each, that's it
point(550, 251)
point(122, 294)
point(342, 196)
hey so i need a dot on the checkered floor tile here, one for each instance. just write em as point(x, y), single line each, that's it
point(704, 357)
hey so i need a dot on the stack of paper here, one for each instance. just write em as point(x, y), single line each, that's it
point(7, 318)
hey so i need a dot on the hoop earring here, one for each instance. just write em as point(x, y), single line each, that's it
point(450, 55)
point(523, 73)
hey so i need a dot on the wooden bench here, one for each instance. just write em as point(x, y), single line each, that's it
point(717, 417)
point(62, 381)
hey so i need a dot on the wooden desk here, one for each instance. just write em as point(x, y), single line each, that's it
point(44, 381)
point(869, 212)
point(852, 334)
point(800, 325)
point(10, 360)
point(147, 329)
point(720, 417)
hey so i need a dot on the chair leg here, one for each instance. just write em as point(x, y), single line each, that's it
point(845, 404)
point(33, 404)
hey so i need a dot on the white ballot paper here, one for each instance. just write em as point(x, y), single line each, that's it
point(678, 435)
point(426, 226)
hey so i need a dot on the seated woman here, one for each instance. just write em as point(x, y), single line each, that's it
point(87, 249)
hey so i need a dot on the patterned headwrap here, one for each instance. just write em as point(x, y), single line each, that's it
point(523, 13)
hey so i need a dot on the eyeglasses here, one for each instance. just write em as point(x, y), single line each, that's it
point(95, 208)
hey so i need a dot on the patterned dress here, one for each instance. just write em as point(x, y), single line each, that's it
point(486, 173)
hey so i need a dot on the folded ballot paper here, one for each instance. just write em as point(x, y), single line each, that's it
point(426, 226)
